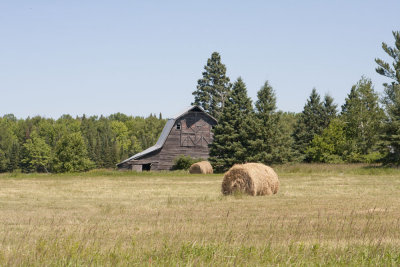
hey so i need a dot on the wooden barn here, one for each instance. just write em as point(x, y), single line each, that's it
point(188, 133)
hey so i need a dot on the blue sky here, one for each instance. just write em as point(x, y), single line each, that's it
point(142, 57)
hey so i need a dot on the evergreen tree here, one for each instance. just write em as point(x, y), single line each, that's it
point(329, 110)
point(9, 147)
point(212, 90)
point(311, 122)
point(98, 152)
point(234, 132)
point(89, 133)
point(273, 141)
point(363, 118)
point(3, 161)
point(285, 141)
point(13, 156)
point(108, 154)
point(391, 138)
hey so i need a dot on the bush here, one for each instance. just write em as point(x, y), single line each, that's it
point(184, 162)
point(373, 157)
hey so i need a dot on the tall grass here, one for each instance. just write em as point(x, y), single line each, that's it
point(322, 215)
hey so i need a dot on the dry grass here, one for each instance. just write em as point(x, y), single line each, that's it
point(326, 216)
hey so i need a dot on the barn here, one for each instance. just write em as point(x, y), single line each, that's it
point(188, 133)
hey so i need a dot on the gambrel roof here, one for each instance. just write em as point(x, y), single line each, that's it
point(165, 132)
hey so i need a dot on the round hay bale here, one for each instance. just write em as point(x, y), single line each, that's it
point(251, 178)
point(201, 167)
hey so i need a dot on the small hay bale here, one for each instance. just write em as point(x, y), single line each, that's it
point(251, 178)
point(203, 167)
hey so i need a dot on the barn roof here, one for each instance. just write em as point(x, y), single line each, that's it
point(165, 132)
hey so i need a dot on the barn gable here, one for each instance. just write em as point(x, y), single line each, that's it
point(188, 133)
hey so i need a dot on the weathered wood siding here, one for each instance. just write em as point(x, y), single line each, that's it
point(192, 139)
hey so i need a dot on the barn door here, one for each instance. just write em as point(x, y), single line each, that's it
point(195, 133)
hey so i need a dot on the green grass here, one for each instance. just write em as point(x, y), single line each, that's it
point(323, 215)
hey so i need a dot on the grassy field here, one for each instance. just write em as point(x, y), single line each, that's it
point(322, 215)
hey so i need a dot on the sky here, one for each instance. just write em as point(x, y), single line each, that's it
point(141, 57)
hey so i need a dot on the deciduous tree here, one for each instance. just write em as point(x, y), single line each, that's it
point(71, 154)
point(363, 117)
point(36, 154)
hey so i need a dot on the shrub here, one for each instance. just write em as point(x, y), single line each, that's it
point(183, 162)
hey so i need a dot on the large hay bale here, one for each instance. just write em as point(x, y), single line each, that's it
point(201, 167)
point(251, 178)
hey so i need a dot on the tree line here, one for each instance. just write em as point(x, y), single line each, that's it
point(73, 144)
point(365, 129)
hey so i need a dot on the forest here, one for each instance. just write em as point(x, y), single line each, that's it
point(366, 128)
point(73, 144)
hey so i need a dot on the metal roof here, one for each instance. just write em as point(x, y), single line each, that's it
point(186, 110)
point(164, 134)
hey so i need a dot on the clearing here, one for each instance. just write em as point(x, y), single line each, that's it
point(322, 214)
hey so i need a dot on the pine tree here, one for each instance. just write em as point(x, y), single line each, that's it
point(89, 133)
point(391, 138)
point(213, 88)
point(9, 146)
point(363, 117)
point(234, 132)
point(273, 142)
point(310, 123)
point(13, 157)
point(98, 151)
point(3, 161)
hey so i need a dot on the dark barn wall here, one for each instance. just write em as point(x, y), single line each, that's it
point(192, 139)
point(148, 158)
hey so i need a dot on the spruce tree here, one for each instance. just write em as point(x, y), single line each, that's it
point(273, 141)
point(391, 100)
point(329, 110)
point(9, 146)
point(3, 161)
point(234, 132)
point(88, 129)
point(310, 123)
point(13, 156)
point(213, 88)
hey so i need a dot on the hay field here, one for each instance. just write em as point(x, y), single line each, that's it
point(322, 214)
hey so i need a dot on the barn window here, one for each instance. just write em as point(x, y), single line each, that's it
point(178, 126)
